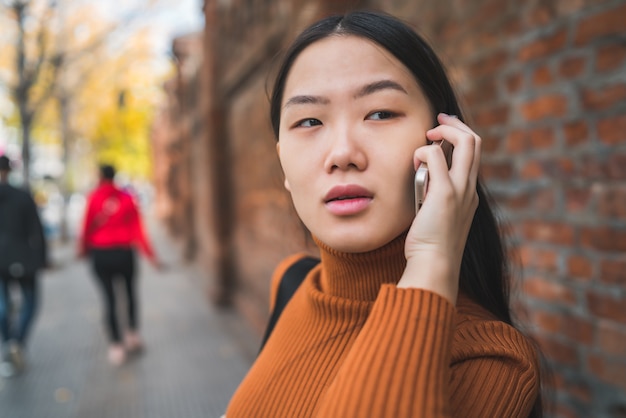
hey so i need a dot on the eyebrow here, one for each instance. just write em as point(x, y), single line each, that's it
point(378, 86)
point(305, 99)
point(368, 89)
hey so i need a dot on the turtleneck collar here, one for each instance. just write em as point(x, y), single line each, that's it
point(359, 276)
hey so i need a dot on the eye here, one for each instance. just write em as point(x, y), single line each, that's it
point(381, 115)
point(307, 123)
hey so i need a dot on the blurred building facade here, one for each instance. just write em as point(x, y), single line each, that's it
point(542, 82)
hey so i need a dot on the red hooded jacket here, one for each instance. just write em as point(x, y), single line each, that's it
point(112, 221)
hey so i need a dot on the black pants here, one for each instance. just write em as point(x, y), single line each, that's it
point(111, 266)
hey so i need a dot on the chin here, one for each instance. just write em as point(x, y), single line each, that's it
point(356, 235)
point(354, 242)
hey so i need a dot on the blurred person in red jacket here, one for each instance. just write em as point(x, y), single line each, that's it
point(112, 229)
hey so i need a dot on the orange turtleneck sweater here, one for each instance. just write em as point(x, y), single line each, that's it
point(352, 344)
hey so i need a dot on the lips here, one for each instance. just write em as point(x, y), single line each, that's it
point(347, 192)
point(347, 199)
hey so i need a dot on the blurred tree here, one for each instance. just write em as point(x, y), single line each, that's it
point(67, 67)
point(34, 62)
point(58, 46)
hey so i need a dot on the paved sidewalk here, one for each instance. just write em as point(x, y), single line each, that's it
point(194, 359)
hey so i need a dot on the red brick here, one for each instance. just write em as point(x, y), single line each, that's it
point(514, 82)
point(578, 329)
point(552, 168)
point(550, 291)
point(533, 170)
point(565, 410)
point(609, 22)
point(613, 272)
point(573, 327)
point(577, 199)
point(489, 65)
point(548, 322)
point(572, 67)
point(490, 144)
point(512, 26)
point(604, 98)
point(516, 141)
point(611, 338)
point(525, 255)
point(612, 130)
point(558, 380)
point(544, 201)
point(579, 390)
point(553, 232)
point(545, 260)
point(542, 76)
point(450, 30)
point(562, 167)
point(483, 92)
point(610, 57)
point(579, 266)
point(593, 167)
point(551, 105)
point(490, 10)
point(576, 133)
point(567, 7)
point(612, 202)
point(497, 170)
point(544, 47)
point(608, 370)
point(541, 138)
point(606, 306)
point(493, 116)
point(616, 167)
point(540, 15)
point(517, 201)
point(604, 239)
point(559, 352)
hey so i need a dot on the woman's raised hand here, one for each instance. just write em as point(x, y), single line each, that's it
point(436, 240)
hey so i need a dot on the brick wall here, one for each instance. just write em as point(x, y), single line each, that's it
point(174, 132)
point(544, 84)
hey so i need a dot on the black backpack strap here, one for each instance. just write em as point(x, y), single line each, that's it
point(289, 283)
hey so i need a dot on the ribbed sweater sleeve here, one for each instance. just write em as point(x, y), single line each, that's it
point(494, 371)
point(397, 366)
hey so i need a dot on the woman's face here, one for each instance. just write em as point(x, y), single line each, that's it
point(352, 115)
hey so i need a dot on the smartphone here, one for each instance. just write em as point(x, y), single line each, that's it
point(421, 175)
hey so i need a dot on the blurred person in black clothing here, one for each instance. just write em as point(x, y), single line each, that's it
point(22, 255)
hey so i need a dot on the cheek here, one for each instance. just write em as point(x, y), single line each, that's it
point(294, 168)
point(401, 182)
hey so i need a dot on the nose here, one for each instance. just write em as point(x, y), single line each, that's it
point(345, 151)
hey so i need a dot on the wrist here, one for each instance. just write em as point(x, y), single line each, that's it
point(433, 273)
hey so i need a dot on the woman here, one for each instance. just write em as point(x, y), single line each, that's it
point(111, 230)
point(406, 315)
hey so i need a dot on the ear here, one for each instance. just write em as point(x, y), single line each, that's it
point(286, 181)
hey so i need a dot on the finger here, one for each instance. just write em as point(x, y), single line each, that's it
point(434, 157)
point(452, 120)
point(463, 155)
